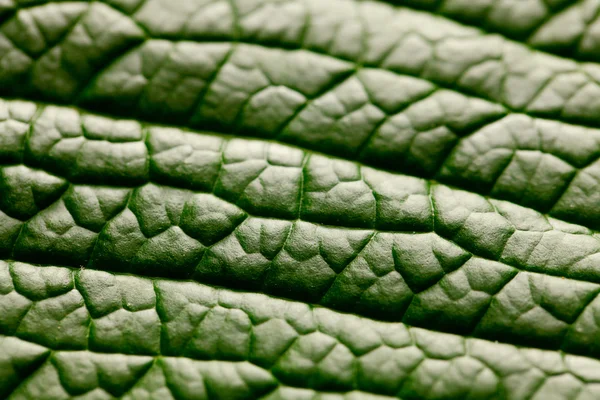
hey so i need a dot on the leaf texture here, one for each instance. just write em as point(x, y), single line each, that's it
point(267, 348)
point(297, 199)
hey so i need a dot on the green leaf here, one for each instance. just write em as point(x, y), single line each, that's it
point(281, 199)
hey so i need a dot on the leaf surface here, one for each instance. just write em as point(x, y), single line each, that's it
point(286, 199)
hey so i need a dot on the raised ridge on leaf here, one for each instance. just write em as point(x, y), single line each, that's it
point(398, 39)
point(182, 338)
point(267, 179)
point(542, 164)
